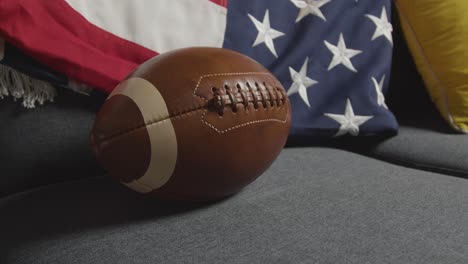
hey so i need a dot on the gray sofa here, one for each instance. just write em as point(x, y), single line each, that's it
point(350, 200)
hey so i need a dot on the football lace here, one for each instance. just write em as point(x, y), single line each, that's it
point(243, 94)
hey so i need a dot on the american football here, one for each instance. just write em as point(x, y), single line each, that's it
point(192, 124)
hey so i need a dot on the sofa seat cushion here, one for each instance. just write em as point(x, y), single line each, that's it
point(47, 144)
point(422, 144)
point(314, 205)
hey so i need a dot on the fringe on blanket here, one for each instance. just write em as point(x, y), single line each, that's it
point(79, 87)
point(30, 90)
point(21, 86)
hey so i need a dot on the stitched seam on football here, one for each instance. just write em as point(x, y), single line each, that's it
point(153, 122)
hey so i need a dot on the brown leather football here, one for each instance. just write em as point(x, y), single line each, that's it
point(192, 124)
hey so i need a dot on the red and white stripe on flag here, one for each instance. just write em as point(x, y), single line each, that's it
point(100, 42)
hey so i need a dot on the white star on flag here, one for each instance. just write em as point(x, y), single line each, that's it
point(301, 82)
point(379, 90)
point(266, 34)
point(341, 54)
point(311, 7)
point(349, 121)
point(383, 27)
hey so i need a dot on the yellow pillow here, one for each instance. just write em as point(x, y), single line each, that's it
point(437, 35)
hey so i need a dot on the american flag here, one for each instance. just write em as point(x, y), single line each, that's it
point(332, 56)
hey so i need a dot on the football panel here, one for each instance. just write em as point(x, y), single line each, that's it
point(152, 105)
point(211, 165)
point(125, 156)
point(163, 158)
point(140, 145)
point(176, 74)
point(161, 134)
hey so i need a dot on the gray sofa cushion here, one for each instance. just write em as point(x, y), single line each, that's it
point(422, 144)
point(47, 144)
point(315, 205)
